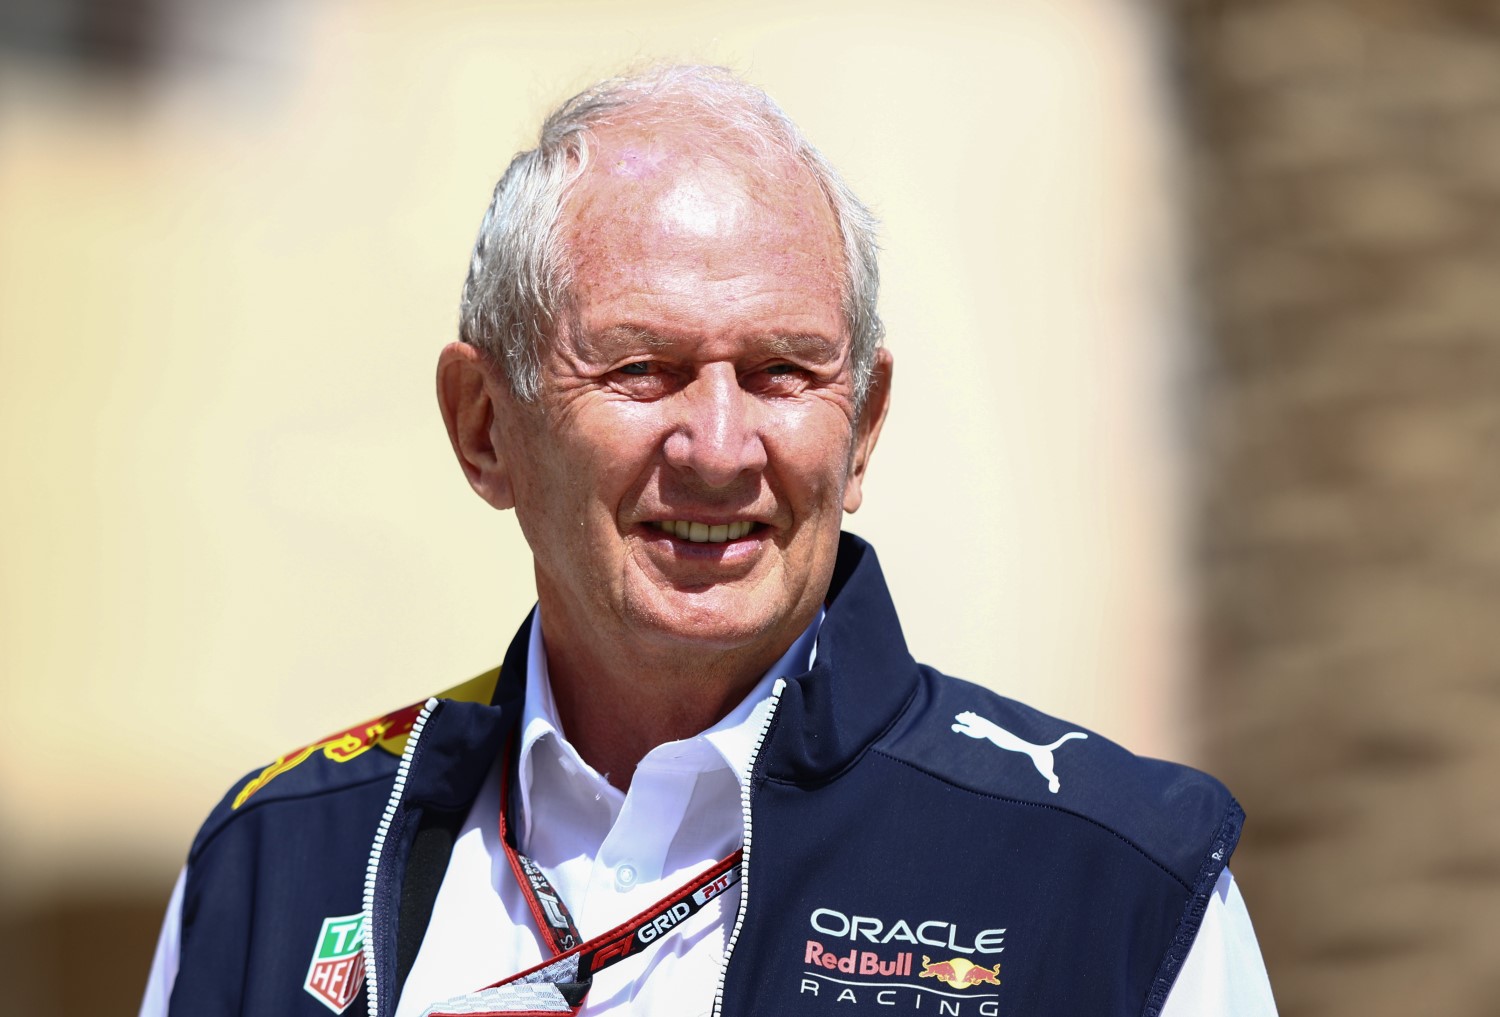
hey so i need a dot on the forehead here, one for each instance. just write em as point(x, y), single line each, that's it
point(661, 204)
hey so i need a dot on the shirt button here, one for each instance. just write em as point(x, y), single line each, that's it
point(625, 877)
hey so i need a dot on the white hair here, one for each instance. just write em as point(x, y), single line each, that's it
point(519, 280)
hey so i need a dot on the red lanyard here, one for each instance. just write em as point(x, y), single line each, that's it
point(560, 985)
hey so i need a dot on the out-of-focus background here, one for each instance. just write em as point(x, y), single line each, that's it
point(1194, 306)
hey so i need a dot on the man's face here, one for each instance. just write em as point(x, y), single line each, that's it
point(682, 475)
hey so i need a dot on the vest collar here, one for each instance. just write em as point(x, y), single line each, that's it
point(863, 678)
point(827, 717)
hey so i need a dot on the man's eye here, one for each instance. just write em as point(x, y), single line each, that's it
point(781, 369)
point(639, 367)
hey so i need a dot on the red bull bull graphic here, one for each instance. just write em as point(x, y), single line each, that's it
point(960, 972)
point(942, 970)
point(389, 732)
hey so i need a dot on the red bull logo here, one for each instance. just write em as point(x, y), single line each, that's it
point(845, 976)
point(960, 972)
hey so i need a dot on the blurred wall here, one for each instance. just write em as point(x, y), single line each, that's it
point(1347, 162)
point(231, 247)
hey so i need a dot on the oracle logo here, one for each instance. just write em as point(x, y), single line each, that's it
point(926, 933)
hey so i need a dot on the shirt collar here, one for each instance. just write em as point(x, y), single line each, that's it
point(732, 739)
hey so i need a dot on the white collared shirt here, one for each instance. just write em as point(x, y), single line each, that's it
point(609, 854)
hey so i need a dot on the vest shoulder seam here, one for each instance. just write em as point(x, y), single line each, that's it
point(207, 837)
point(1041, 805)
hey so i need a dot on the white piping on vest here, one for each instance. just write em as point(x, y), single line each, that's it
point(739, 919)
point(377, 849)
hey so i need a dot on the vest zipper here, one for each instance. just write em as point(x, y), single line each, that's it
point(739, 919)
point(377, 851)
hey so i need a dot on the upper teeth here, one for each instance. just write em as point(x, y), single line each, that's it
point(704, 533)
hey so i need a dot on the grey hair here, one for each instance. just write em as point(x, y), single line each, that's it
point(518, 288)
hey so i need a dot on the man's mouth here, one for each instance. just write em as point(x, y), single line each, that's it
point(705, 533)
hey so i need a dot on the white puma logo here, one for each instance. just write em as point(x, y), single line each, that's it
point(975, 726)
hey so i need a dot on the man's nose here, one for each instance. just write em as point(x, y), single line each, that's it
point(716, 428)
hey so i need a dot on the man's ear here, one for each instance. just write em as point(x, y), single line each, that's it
point(867, 428)
point(467, 390)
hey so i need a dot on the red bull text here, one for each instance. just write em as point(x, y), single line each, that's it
point(857, 962)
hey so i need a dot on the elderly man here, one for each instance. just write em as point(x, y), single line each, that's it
point(708, 777)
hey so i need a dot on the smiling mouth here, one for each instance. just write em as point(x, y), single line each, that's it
point(705, 533)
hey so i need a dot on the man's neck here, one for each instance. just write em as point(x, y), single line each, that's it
point(617, 707)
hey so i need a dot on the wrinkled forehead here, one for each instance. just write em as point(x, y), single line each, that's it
point(700, 190)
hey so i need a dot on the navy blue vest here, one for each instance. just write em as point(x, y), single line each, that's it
point(917, 844)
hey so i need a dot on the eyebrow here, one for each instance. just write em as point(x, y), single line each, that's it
point(808, 346)
point(620, 339)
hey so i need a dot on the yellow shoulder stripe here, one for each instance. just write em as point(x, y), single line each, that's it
point(389, 732)
point(479, 689)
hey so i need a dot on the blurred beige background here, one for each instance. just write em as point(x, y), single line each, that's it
point(232, 523)
point(1115, 484)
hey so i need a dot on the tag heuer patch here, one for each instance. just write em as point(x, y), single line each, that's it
point(338, 965)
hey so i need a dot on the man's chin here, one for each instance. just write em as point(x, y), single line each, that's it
point(711, 620)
